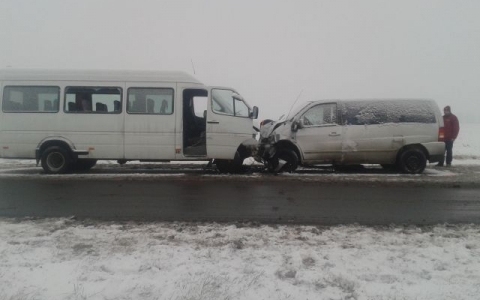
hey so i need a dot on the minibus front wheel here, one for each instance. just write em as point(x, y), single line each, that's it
point(230, 166)
point(56, 160)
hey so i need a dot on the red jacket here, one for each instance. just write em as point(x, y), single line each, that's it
point(451, 127)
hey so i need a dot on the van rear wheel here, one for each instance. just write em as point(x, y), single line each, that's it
point(412, 161)
point(56, 160)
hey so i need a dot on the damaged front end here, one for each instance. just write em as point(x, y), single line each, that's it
point(272, 135)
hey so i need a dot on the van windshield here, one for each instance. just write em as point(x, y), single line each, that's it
point(295, 111)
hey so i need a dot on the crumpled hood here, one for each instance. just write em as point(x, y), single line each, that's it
point(268, 129)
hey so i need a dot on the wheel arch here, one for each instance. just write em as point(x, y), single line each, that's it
point(248, 148)
point(243, 151)
point(51, 142)
point(284, 144)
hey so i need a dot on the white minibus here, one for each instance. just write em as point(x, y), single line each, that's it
point(69, 119)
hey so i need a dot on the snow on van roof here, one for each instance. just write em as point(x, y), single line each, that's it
point(387, 103)
point(371, 100)
point(95, 75)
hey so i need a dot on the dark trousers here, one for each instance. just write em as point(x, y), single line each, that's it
point(448, 149)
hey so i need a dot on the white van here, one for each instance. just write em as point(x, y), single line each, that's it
point(402, 134)
point(70, 119)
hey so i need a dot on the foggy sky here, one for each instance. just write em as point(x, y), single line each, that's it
point(270, 51)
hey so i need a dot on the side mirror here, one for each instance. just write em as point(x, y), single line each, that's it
point(294, 127)
point(301, 123)
point(254, 113)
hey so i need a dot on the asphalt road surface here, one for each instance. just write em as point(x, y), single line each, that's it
point(190, 193)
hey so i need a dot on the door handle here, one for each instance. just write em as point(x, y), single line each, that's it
point(334, 134)
point(213, 122)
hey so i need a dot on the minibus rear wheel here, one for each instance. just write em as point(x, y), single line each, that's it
point(85, 164)
point(56, 160)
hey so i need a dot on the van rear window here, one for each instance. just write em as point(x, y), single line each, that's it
point(30, 99)
point(381, 112)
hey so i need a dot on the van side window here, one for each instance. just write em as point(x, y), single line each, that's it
point(321, 115)
point(102, 100)
point(30, 99)
point(157, 101)
point(382, 112)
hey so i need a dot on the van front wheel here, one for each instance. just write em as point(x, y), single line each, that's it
point(285, 160)
point(56, 160)
point(412, 161)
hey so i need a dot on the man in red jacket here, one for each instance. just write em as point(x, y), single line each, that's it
point(452, 128)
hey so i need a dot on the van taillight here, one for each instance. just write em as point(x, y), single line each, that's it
point(441, 134)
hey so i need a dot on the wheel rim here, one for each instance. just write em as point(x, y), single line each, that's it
point(413, 163)
point(55, 161)
point(289, 162)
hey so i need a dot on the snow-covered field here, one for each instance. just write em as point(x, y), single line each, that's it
point(67, 259)
point(467, 144)
point(64, 259)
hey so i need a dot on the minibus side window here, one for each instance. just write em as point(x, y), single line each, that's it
point(101, 100)
point(31, 99)
point(241, 109)
point(158, 101)
point(225, 102)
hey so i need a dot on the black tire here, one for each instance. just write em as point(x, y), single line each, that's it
point(84, 164)
point(230, 166)
point(56, 160)
point(223, 166)
point(412, 161)
point(290, 158)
